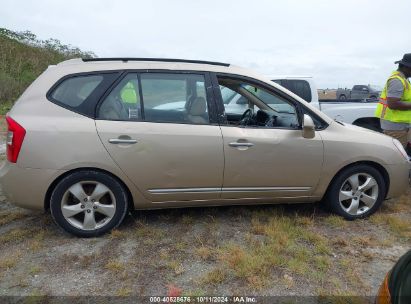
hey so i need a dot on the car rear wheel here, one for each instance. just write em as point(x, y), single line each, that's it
point(342, 97)
point(88, 203)
point(356, 192)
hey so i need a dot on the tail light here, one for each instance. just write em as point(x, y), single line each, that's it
point(15, 137)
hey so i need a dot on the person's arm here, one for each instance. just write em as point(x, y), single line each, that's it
point(396, 104)
point(395, 90)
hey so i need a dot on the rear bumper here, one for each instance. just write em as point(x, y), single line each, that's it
point(26, 187)
point(399, 179)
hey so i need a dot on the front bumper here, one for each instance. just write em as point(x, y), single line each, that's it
point(26, 187)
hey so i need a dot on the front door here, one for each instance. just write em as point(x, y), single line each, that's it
point(156, 127)
point(265, 153)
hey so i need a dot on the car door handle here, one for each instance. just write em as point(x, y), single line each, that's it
point(122, 141)
point(241, 144)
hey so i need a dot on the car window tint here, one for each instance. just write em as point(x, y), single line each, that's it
point(75, 90)
point(179, 98)
point(123, 102)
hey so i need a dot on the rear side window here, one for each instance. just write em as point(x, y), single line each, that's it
point(157, 97)
point(75, 90)
point(177, 98)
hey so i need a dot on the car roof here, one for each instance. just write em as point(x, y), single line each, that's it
point(98, 64)
point(277, 77)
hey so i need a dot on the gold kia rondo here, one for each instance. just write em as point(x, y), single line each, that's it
point(92, 139)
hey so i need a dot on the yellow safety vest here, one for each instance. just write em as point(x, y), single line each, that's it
point(384, 112)
point(128, 93)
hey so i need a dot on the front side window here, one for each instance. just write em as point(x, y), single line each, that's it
point(73, 91)
point(254, 106)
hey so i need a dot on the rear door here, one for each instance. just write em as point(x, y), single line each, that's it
point(159, 128)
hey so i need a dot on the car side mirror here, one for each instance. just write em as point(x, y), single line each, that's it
point(308, 127)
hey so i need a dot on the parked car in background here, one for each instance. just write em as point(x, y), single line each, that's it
point(356, 112)
point(92, 139)
point(359, 92)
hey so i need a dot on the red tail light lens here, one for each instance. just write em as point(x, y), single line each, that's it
point(15, 137)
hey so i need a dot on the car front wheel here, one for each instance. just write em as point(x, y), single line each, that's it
point(356, 192)
point(88, 203)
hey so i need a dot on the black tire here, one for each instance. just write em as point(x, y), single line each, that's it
point(342, 97)
point(86, 176)
point(333, 192)
point(370, 126)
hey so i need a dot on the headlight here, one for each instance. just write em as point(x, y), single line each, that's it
point(400, 148)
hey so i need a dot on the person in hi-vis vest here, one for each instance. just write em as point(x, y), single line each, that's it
point(394, 108)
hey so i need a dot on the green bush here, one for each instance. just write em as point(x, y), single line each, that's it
point(23, 58)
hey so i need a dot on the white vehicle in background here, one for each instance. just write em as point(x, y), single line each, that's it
point(357, 112)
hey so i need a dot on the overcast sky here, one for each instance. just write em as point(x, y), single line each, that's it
point(339, 42)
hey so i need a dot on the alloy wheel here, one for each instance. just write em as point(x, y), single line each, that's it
point(88, 205)
point(358, 193)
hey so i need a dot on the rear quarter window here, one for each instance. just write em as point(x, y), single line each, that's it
point(74, 91)
point(80, 93)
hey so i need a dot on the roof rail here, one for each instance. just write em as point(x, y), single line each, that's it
point(155, 59)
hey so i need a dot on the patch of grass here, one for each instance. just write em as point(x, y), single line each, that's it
point(180, 246)
point(147, 232)
point(317, 241)
point(16, 235)
point(187, 220)
point(351, 272)
point(37, 241)
point(401, 204)
point(256, 282)
point(5, 107)
point(204, 253)
point(214, 277)
point(115, 266)
point(88, 260)
point(247, 263)
point(34, 269)
point(8, 217)
point(123, 292)
point(118, 234)
point(282, 242)
point(398, 226)
point(9, 262)
point(335, 221)
point(194, 293)
point(339, 242)
point(306, 221)
point(364, 241)
point(176, 267)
